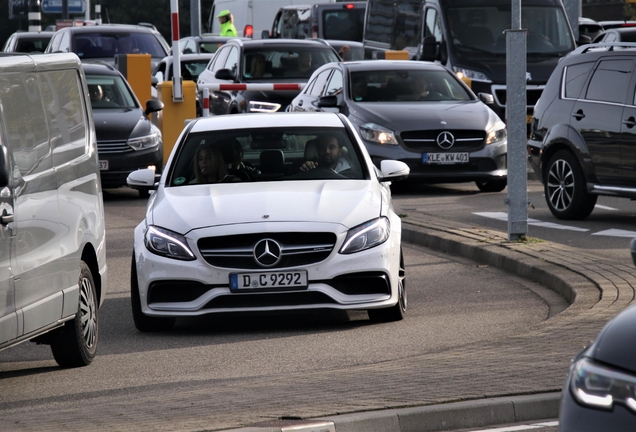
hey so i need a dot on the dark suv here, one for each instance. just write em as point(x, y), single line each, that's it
point(271, 61)
point(583, 134)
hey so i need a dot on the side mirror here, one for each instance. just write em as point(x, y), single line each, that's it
point(393, 170)
point(328, 102)
point(224, 74)
point(487, 98)
point(142, 178)
point(156, 79)
point(265, 34)
point(429, 49)
point(584, 40)
point(5, 169)
point(153, 105)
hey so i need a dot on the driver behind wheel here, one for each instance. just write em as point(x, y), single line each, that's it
point(329, 155)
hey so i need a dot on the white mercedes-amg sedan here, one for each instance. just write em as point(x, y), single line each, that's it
point(268, 212)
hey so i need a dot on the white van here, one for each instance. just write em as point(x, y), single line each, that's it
point(253, 16)
point(52, 246)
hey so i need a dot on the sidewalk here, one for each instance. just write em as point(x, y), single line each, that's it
point(519, 377)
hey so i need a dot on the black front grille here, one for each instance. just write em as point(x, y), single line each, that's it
point(176, 291)
point(426, 140)
point(362, 283)
point(109, 147)
point(237, 251)
point(269, 300)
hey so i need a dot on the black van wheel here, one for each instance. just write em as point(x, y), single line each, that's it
point(397, 312)
point(491, 185)
point(143, 322)
point(565, 188)
point(75, 343)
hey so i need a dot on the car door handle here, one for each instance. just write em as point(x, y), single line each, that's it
point(6, 218)
point(579, 115)
point(630, 122)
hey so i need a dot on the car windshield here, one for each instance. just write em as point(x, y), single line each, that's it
point(109, 91)
point(406, 85)
point(100, 45)
point(270, 154)
point(480, 29)
point(191, 69)
point(343, 23)
point(284, 63)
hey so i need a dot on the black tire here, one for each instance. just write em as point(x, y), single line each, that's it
point(143, 322)
point(398, 311)
point(492, 185)
point(565, 188)
point(75, 343)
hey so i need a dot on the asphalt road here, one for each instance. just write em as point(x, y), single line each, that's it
point(146, 381)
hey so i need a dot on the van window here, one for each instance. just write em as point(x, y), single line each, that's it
point(24, 119)
point(296, 24)
point(343, 24)
point(67, 115)
point(396, 26)
point(575, 77)
point(617, 72)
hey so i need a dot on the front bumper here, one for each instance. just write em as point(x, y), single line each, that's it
point(363, 280)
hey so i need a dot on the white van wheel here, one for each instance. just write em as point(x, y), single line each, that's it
point(75, 344)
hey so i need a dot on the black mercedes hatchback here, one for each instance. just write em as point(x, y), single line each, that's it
point(583, 135)
point(127, 139)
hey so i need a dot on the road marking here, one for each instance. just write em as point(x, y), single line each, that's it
point(502, 216)
point(616, 233)
point(521, 427)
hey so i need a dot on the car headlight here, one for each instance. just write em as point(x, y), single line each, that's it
point(264, 107)
point(167, 243)
point(600, 387)
point(365, 236)
point(497, 133)
point(472, 74)
point(378, 134)
point(147, 141)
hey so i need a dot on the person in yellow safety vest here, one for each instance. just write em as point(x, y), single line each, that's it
point(227, 23)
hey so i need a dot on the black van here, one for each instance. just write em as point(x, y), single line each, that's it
point(467, 36)
point(338, 21)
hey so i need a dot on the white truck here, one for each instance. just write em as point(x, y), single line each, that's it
point(251, 17)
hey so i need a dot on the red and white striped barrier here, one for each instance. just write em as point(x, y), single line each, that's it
point(253, 87)
point(206, 102)
point(177, 85)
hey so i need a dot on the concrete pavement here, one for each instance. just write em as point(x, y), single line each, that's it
point(514, 379)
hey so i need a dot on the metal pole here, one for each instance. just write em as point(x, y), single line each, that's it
point(35, 16)
point(516, 112)
point(87, 10)
point(195, 17)
point(65, 9)
point(98, 14)
point(177, 85)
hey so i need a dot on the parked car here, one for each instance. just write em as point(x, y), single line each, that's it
point(339, 21)
point(618, 34)
point(27, 42)
point(52, 230)
point(310, 225)
point(589, 27)
point(206, 43)
point(191, 66)
point(262, 61)
point(103, 42)
point(127, 139)
point(583, 140)
point(598, 394)
point(444, 132)
point(616, 24)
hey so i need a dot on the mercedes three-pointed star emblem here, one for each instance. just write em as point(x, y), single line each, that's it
point(445, 140)
point(267, 252)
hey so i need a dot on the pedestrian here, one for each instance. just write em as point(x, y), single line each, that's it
point(227, 23)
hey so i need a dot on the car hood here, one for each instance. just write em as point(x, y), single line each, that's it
point(615, 343)
point(346, 202)
point(423, 115)
point(120, 124)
